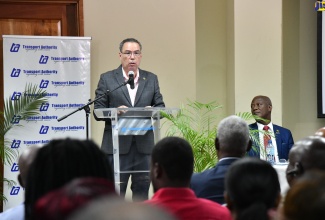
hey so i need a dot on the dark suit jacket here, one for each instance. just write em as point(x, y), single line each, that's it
point(148, 94)
point(209, 184)
point(284, 141)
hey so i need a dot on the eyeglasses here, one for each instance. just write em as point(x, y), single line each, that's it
point(129, 53)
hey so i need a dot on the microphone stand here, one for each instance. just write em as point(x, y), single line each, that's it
point(87, 109)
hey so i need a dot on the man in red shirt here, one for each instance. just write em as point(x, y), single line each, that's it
point(171, 170)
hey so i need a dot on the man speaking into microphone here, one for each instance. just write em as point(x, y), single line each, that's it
point(142, 90)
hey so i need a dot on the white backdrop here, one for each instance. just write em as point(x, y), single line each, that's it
point(59, 65)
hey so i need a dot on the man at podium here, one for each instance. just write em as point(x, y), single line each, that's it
point(142, 90)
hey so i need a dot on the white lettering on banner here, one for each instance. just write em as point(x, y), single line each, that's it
point(47, 62)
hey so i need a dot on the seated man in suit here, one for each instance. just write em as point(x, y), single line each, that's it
point(280, 138)
point(231, 143)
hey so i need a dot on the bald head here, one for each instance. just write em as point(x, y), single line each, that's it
point(294, 168)
point(261, 106)
point(266, 99)
point(306, 154)
point(314, 157)
point(24, 162)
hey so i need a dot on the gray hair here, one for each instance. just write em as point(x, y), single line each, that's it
point(132, 40)
point(233, 134)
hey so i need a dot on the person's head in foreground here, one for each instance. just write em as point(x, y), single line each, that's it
point(306, 154)
point(252, 189)
point(305, 200)
point(59, 162)
point(117, 208)
point(172, 163)
point(59, 204)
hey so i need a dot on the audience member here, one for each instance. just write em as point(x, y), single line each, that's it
point(59, 162)
point(294, 169)
point(171, 170)
point(232, 142)
point(24, 162)
point(305, 200)
point(117, 208)
point(308, 153)
point(60, 203)
point(280, 137)
point(314, 157)
point(252, 189)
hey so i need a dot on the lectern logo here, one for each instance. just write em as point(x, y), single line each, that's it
point(14, 48)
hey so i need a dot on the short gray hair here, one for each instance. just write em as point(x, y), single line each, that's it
point(233, 134)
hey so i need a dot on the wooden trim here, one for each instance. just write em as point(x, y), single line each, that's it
point(78, 3)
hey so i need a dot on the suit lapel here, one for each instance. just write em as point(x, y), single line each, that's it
point(278, 138)
point(120, 80)
point(142, 82)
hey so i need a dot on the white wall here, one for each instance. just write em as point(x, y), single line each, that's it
point(258, 54)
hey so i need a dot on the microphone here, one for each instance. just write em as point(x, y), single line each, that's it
point(131, 79)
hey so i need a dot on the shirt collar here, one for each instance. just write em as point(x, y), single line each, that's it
point(260, 126)
point(227, 158)
point(126, 77)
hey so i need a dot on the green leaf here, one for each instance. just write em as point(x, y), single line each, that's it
point(197, 123)
point(26, 106)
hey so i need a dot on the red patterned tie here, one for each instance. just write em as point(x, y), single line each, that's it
point(266, 136)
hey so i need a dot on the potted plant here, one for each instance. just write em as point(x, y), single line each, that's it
point(197, 123)
point(26, 106)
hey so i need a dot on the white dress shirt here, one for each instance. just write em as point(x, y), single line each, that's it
point(132, 92)
point(261, 137)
